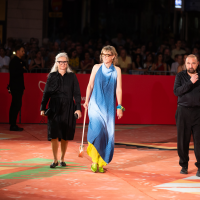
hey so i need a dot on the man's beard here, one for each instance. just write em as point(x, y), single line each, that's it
point(191, 71)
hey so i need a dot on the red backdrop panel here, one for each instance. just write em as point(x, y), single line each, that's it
point(147, 99)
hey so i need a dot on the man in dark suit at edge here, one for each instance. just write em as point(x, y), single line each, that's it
point(16, 68)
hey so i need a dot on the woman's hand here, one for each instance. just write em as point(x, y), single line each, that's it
point(42, 113)
point(119, 113)
point(85, 105)
point(78, 112)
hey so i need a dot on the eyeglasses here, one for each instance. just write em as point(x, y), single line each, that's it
point(62, 62)
point(106, 55)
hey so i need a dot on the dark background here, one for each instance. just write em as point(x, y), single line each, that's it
point(142, 20)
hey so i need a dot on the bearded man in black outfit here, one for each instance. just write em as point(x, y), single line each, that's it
point(16, 68)
point(187, 88)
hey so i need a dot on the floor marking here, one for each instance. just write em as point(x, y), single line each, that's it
point(4, 136)
point(182, 185)
point(160, 146)
point(37, 168)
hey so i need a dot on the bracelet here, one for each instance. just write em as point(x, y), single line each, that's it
point(120, 107)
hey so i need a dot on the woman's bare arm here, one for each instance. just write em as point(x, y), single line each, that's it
point(91, 84)
point(119, 86)
point(119, 91)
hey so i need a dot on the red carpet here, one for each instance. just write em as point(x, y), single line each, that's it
point(145, 166)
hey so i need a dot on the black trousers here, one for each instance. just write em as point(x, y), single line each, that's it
point(15, 106)
point(188, 122)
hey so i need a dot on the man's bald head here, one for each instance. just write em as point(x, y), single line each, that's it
point(192, 56)
point(191, 63)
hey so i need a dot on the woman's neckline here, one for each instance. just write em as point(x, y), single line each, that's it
point(62, 74)
point(108, 67)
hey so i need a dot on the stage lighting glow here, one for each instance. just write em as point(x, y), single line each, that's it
point(14, 52)
point(178, 3)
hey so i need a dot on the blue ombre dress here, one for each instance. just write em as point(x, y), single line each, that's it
point(101, 111)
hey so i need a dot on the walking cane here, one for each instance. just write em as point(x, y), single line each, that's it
point(81, 148)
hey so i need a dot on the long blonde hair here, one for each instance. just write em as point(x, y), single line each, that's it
point(113, 51)
point(55, 66)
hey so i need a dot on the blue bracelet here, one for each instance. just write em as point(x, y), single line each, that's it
point(120, 107)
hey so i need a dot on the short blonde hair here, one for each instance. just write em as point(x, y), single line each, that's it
point(192, 56)
point(113, 52)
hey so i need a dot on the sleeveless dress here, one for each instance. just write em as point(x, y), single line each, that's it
point(101, 111)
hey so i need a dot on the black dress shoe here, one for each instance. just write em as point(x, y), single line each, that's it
point(53, 165)
point(184, 170)
point(63, 164)
point(15, 128)
point(198, 173)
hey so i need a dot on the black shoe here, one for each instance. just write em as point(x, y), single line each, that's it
point(53, 165)
point(15, 128)
point(184, 170)
point(198, 173)
point(63, 164)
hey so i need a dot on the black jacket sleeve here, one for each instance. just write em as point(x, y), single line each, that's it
point(77, 93)
point(180, 89)
point(46, 93)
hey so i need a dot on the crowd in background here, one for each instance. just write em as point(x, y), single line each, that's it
point(133, 57)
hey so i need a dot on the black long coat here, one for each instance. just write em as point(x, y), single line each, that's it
point(62, 91)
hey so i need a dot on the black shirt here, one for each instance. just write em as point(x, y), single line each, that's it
point(58, 87)
point(17, 74)
point(187, 92)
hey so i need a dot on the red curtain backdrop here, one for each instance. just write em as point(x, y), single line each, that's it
point(147, 99)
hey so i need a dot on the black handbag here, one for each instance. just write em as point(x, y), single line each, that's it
point(76, 115)
point(48, 112)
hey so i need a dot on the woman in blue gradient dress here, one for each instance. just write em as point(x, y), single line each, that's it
point(104, 86)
